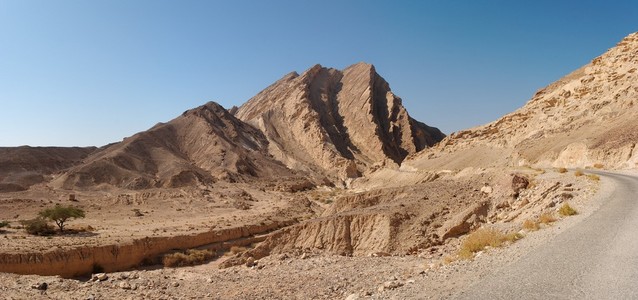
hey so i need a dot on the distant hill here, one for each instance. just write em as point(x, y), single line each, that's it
point(200, 147)
point(21, 167)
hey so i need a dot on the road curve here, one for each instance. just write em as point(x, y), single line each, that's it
point(596, 259)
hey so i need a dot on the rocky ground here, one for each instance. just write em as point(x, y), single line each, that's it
point(430, 273)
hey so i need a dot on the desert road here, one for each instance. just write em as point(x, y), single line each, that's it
point(596, 259)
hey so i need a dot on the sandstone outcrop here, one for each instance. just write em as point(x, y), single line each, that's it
point(336, 122)
point(110, 258)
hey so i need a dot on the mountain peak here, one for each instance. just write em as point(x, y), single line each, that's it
point(336, 122)
point(362, 66)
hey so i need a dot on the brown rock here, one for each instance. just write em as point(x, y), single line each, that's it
point(324, 119)
point(519, 183)
point(465, 221)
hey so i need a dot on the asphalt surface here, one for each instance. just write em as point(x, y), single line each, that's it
point(596, 259)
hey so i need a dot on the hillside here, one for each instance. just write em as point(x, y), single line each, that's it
point(587, 117)
point(198, 148)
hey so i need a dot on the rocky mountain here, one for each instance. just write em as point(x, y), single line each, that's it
point(588, 117)
point(200, 147)
point(339, 123)
point(21, 167)
point(324, 122)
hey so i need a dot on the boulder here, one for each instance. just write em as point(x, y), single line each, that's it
point(465, 221)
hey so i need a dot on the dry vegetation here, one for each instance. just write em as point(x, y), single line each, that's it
point(531, 225)
point(484, 237)
point(236, 249)
point(562, 170)
point(190, 258)
point(567, 210)
point(578, 173)
point(546, 218)
point(593, 177)
point(599, 166)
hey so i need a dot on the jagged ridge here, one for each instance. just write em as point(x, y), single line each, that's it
point(336, 122)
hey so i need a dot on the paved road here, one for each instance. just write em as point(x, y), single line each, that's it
point(596, 259)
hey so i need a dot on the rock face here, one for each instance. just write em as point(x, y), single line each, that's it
point(201, 146)
point(336, 122)
point(585, 118)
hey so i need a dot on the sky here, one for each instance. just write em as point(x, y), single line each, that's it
point(88, 73)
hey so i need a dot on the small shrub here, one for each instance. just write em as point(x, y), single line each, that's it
point(531, 225)
point(562, 170)
point(4, 224)
point(578, 173)
point(190, 258)
point(593, 177)
point(513, 237)
point(599, 166)
point(448, 259)
point(483, 237)
point(566, 210)
point(37, 226)
point(237, 249)
point(546, 218)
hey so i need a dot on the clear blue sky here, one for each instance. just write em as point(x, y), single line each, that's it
point(92, 72)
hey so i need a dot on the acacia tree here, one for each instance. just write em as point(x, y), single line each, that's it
point(60, 214)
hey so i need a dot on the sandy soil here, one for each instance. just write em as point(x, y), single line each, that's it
point(111, 217)
point(305, 274)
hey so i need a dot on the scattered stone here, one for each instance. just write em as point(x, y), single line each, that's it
point(389, 285)
point(486, 189)
point(99, 277)
point(354, 296)
point(125, 285)
point(209, 280)
point(379, 254)
point(40, 286)
point(250, 262)
point(519, 183)
point(175, 284)
point(283, 256)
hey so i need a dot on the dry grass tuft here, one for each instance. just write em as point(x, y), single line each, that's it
point(483, 237)
point(593, 177)
point(448, 259)
point(562, 170)
point(546, 218)
point(190, 258)
point(578, 173)
point(599, 166)
point(531, 225)
point(567, 210)
point(237, 249)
